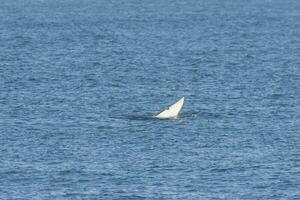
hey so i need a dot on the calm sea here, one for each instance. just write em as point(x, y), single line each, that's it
point(80, 82)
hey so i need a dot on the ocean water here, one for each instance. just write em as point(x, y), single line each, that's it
point(80, 82)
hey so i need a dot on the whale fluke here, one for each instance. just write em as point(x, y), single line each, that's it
point(173, 111)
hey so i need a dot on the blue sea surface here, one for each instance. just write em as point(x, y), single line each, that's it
point(80, 82)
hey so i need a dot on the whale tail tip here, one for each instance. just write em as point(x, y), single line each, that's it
point(173, 111)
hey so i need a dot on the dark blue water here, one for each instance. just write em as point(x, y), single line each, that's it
point(81, 80)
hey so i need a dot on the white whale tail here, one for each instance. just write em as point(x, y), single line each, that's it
point(171, 112)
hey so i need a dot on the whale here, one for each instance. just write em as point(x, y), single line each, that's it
point(173, 111)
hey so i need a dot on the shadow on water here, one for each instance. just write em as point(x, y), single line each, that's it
point(151, 117)
point(142, 117)
point(139, 117)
